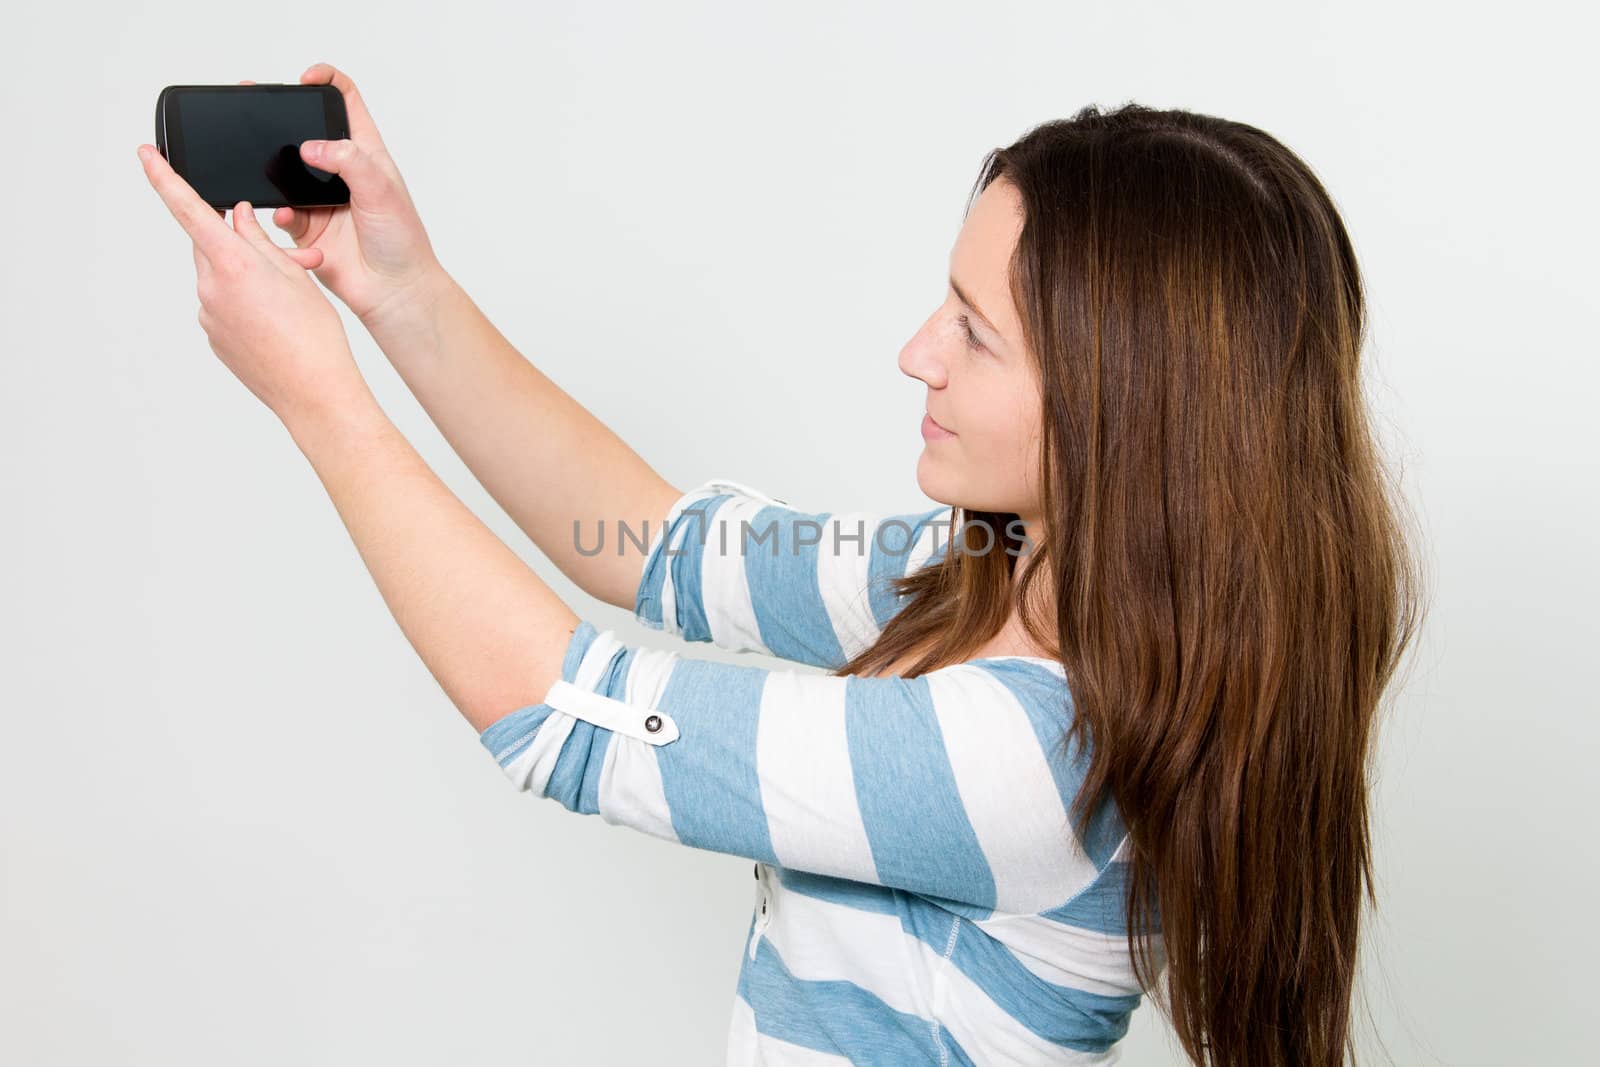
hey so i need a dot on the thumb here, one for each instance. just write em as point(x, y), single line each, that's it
point(346, 159)
point(246, 226)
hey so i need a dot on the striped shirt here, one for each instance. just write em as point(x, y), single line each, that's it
point(922, 894)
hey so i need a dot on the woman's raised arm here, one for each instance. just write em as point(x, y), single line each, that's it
point(544, 458)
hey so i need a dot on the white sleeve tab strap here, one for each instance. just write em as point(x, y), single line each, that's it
point(645, 723)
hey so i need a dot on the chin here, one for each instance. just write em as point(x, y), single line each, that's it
point(935, 480)
point(979, 492)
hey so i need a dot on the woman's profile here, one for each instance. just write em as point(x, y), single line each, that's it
point(1097, 727)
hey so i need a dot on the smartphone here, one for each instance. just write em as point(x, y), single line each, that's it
point(242, 142)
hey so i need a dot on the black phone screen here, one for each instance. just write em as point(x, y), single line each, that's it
point(242, 142)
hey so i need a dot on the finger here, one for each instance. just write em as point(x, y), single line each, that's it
point(246, 81)
point(294, 223)
point(307, 224)
point(309, 258)
point(362, 128)
point(303, 258)
point(202, 222)
point(245, 224)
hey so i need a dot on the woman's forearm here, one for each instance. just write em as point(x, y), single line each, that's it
point(490, 630)
point(543, 457)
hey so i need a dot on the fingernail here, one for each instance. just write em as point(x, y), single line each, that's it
point(313, 149)
point(144, 152)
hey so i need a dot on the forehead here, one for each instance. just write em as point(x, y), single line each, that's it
point(980, 262)
point(989, 232)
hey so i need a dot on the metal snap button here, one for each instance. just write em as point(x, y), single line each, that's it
point(653, 723)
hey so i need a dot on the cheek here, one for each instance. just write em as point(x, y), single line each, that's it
point(1009, 448)
point(1005, 423)
point(993, 461)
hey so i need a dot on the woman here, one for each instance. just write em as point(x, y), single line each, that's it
point(1112, 727)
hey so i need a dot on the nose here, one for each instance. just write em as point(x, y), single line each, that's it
point(922, 357)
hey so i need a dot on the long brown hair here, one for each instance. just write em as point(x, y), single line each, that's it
point(1233, 586)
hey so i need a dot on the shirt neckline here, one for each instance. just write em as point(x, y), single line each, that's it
point(1053, 664)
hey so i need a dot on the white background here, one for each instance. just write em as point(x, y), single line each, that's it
point(240, 823)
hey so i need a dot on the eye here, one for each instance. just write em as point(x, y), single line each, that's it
point(966, 326)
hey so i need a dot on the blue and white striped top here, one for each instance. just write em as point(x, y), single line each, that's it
point(922, 896)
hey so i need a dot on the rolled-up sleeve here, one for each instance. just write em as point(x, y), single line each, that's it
point(949, 785)
point(749, 573)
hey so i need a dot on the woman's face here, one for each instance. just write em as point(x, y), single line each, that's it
point(981, 449)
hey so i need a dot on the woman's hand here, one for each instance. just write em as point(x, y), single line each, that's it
point(374, 249)
point(263, 314)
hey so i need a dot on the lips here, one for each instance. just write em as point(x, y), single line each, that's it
point(937, 424)
point(932, 431)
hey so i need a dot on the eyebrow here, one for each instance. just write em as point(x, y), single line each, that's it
point(967, 300)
